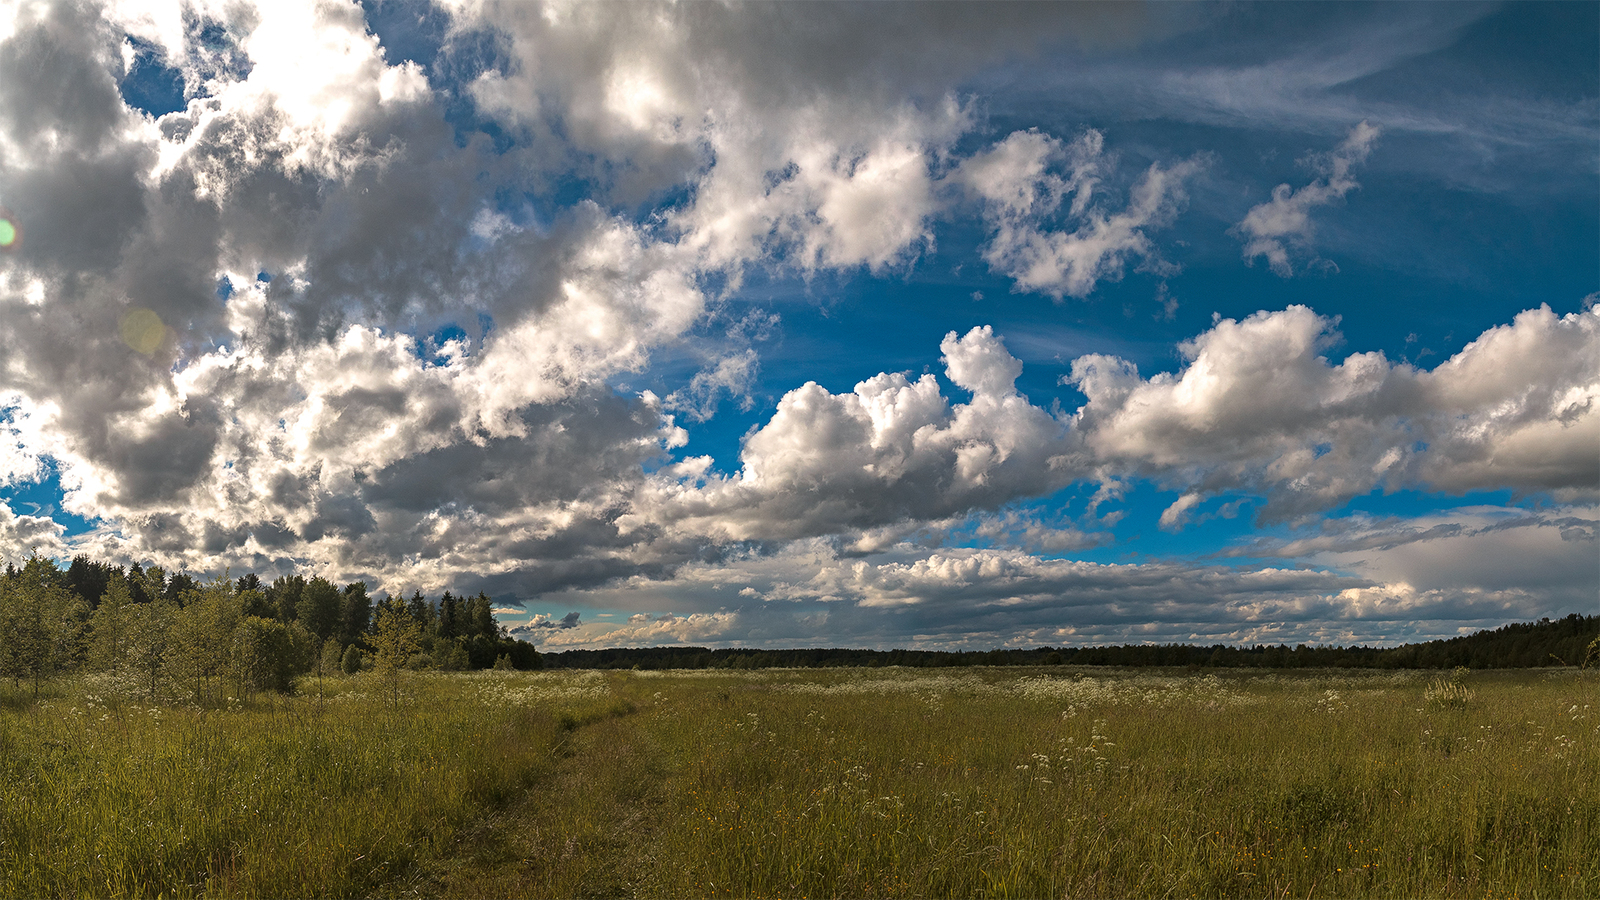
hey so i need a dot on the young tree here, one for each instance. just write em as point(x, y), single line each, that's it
point(109, 627)
point(152, 584)
point(324, 660)
point(149, 633)
point(37, 627)
point(396, 637)
point(450, 656)
point(266, 654)
point(203, 636)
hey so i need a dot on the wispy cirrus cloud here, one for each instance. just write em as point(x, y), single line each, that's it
point(1282, 224)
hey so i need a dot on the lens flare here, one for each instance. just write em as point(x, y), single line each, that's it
point(10, 230)
point(142, 330)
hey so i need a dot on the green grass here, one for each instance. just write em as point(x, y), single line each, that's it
point(835, 783)
point(105, 794)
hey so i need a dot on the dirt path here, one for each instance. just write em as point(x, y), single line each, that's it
point(583, 832)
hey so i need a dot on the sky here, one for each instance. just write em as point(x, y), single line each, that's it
point(947, 326)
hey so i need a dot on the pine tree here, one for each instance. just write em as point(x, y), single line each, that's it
point(355, 612)
point(449, 616)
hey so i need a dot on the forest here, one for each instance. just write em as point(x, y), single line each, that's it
point(232, 634)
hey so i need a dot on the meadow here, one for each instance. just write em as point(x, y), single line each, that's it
point(1003, 782)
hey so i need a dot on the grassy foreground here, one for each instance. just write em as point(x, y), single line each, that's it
point(104, 793)
point(869, 783)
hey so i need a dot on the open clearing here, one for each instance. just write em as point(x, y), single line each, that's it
point(817, 783)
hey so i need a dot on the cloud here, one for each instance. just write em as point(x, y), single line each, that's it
point(289, 240)
point(1271, 229)
point(643, 630)
point(23, 536)
point(888, 451)
point(798, 141)
point(1259, 408)
point(1017, 530)
point(963, 598)
point(1547, 553)
point(1020, 192)
point(369, 317)
point(1420, 74)
point(19, 441)
point(1174, 516)
point(734, 374)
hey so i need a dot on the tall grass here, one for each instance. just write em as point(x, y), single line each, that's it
point(900, 784)
point(852, 783)
point(103, 794)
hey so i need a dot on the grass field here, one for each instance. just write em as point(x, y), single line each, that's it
point(816, 783)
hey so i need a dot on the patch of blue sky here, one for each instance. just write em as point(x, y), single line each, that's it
point(151, 85)
point(408, 30)
point(43, 497)
point(1413, 503)
point(419, 31)
point(431, 348)
point(1544, 49)
point(1130, 524)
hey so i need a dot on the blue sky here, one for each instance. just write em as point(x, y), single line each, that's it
point(817, 324)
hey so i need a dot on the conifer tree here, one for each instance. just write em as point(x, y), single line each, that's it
point(355, 612)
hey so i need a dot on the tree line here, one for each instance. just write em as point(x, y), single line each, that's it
point(240, 634)
point(1572, 640)
point(251, 636)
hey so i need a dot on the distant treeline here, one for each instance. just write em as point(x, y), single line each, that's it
point(253, 636)
point(1543, 643)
